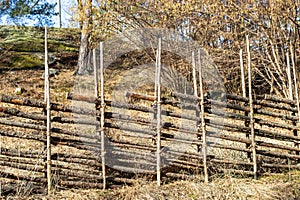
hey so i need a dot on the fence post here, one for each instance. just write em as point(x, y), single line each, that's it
point(202, 115)
point(253, 143)
point(96, 90)
point(47, 100)
point(288, 70)
point(102, 107)
point(158, 113)
point(245, 96)
point(242, 74)
point(296, 93)
point(289, 75)
point(196, 95)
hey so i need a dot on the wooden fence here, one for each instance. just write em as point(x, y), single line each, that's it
point(228, 134)
point(75, 164)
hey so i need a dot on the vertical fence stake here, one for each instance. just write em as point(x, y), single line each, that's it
point(102, 115)
point(96, 77)
point(158, 114)
point(47, 99)
point(296, 92)
point(96, 90)
point(202, 113)
point(194, 74)
point(196, 95)
point(244, 95)
point(254, 157)
point(242, 74)
point(289, 75)
point(288, 71)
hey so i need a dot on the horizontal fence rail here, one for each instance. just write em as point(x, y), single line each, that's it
point(276, 149)
point(101, 142)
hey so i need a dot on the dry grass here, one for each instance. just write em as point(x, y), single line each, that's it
point(269, 187)
point(272, 187)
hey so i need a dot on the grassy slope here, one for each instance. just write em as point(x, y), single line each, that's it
point(228, 187)
point(23, 47)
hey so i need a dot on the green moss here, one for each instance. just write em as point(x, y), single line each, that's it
point(32, 39)
point(24, 60)
point(20, 60)
point(23, 47)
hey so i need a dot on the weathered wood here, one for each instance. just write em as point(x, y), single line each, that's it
point(140, 96)
point(246, 122)
point(41, 104)
point(240, 98)
point(194, 74)
point(180, 176)
point(231, 162)
point(260, 121)
point(35, 179)
point(29, 136)
point(296, 92)
point(222, 146)
point(276, 115)
point(76, 173)
point(129, 128)
point(164, 101)
point(102, 113)
point(22, 160)
point(259, 132)
point(86, 156)
point(131, 107)
point(27, 167)
point(276, 99)
point(184, 162)
point(55, 140)
point(278, 154)
point(18, 113)
point(242, 74)
point(56, 168)
point(129, 145)
point(134, 170)
point(44, 128)
point(235, 171)
point(158, 113)
point(24, 154)
point(108, 115)
point(202, 116)
point(48, 115)
point(80, 184)
point(82, 161)
point(269, 165)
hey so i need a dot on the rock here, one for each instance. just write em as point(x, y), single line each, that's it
point(52, 73)
point(19, 91)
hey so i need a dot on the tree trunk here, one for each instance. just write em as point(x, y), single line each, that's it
point(86, 29)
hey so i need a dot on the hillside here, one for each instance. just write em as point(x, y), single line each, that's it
point(23, 47)
point(21, 66)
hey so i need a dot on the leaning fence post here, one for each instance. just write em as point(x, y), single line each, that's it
point(47, 100)
point(289, 75)
point(245, 96)
point(196, 95)
point(253, 143)
point(102, 107)
point(96, 90)
point(242, 74)
point(158, 113)
point(296, 92)
point(202, 113)
point(288, 71)
point(96, 77)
